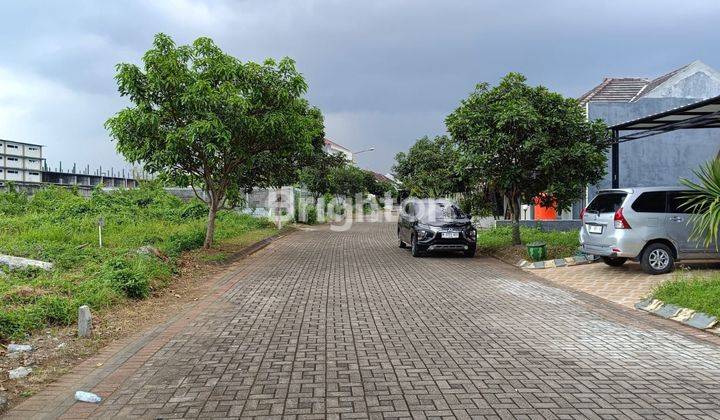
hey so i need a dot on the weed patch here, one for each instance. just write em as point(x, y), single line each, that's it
point(60, 226)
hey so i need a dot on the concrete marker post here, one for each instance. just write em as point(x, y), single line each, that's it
point(84, 322)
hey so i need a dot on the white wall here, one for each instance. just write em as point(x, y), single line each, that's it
point(13, 175)
point(13, 162)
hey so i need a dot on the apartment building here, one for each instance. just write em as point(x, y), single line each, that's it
point(21, 163)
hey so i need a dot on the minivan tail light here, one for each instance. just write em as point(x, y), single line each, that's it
point(620, 221)
point(582, 213)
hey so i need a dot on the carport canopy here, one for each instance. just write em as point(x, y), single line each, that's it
point(703, 114)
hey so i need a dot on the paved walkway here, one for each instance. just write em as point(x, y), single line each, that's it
point(324, 324)
point(625, 285)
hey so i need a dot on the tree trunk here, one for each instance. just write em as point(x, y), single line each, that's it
point(210, 232)
point(515, 216)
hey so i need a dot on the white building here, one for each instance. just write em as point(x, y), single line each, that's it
point(332, 148)
point(20, 162)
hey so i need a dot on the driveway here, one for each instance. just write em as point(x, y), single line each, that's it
point(345, 324)
point(624, 285)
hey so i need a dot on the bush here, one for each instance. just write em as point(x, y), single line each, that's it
point(119, 274)
point(195, 209)
point(184, 241)
point(312, 216)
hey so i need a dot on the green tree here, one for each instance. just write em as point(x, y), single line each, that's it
point(704, 203)
point(377, 186)
point(315, 175)
point(203, 118)
point(428, 169)
point(527, 142)
point(347, 180)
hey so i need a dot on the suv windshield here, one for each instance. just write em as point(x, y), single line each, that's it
point(447, 211)
point(606, 202)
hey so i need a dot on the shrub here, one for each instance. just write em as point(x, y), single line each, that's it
point(195, 209)
point(184, 241)
point(119, 273)
point(312, 216)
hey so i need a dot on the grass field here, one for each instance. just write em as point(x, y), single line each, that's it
point(59, 226)
point(498, 241)
point(699, 292)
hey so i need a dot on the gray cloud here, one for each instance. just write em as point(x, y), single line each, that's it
point(383, 72)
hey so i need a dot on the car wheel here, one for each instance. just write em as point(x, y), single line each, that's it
point(657, 259)
point(401, 243)
point(414, 250)
point(470, 252)
point(614, 261)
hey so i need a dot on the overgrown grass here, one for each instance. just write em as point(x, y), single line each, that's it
point(701, 293)
point(499, 241)
point(60, 226)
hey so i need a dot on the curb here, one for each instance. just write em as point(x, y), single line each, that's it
point(257, 246)
point(559, 262)
point(686, 316)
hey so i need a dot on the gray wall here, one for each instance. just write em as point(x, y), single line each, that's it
point(658, 160)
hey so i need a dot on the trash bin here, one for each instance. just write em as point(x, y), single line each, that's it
point(537, 251)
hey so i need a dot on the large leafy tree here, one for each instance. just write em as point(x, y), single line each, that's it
point(203, 118)
point(347, 180)
point(528, 143)
point(315, 175)
point(429, 168)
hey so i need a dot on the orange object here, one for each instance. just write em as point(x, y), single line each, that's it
point(544, 213)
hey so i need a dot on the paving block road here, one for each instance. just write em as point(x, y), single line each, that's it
point(324, 324)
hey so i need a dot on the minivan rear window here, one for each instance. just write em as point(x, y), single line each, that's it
point(606, 202)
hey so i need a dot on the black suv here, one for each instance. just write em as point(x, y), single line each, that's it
point(435, 225)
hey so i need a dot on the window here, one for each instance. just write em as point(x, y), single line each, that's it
point(676, 201)
point(32, 149)
point(12, 172)
point(606, 202)
point(34, 173)
point(12, 146)
point(650, 202)
point(32, 160)
point(12, 159)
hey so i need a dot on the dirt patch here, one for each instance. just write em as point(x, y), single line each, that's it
point(57, 350)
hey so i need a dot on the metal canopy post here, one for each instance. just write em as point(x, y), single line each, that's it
point(615, 160)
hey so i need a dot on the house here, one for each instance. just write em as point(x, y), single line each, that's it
point(332, 148)
point(666, 158)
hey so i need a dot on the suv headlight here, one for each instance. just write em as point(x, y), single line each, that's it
point(471, 234)
point(424, 231)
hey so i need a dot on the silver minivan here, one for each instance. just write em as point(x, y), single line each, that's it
point(647, 224)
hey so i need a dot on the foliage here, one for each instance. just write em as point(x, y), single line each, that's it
point(527, 142)
point(428, 169)
point(203, 118)
point(378, 187)
point(12, 202)
point(347, 180)
point(118, 273)
point(60, 226)
point(704, 203)
point(315, 176)
point(700, 293)
point(499, 240)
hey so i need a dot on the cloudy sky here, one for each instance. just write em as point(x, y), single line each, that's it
point(384, 72)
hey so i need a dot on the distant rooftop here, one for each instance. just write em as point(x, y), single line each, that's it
point(331, 143)
point(630, 89)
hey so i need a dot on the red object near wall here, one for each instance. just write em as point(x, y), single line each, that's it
point(544, 213)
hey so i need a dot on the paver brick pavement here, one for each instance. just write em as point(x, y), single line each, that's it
point(326, 324)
